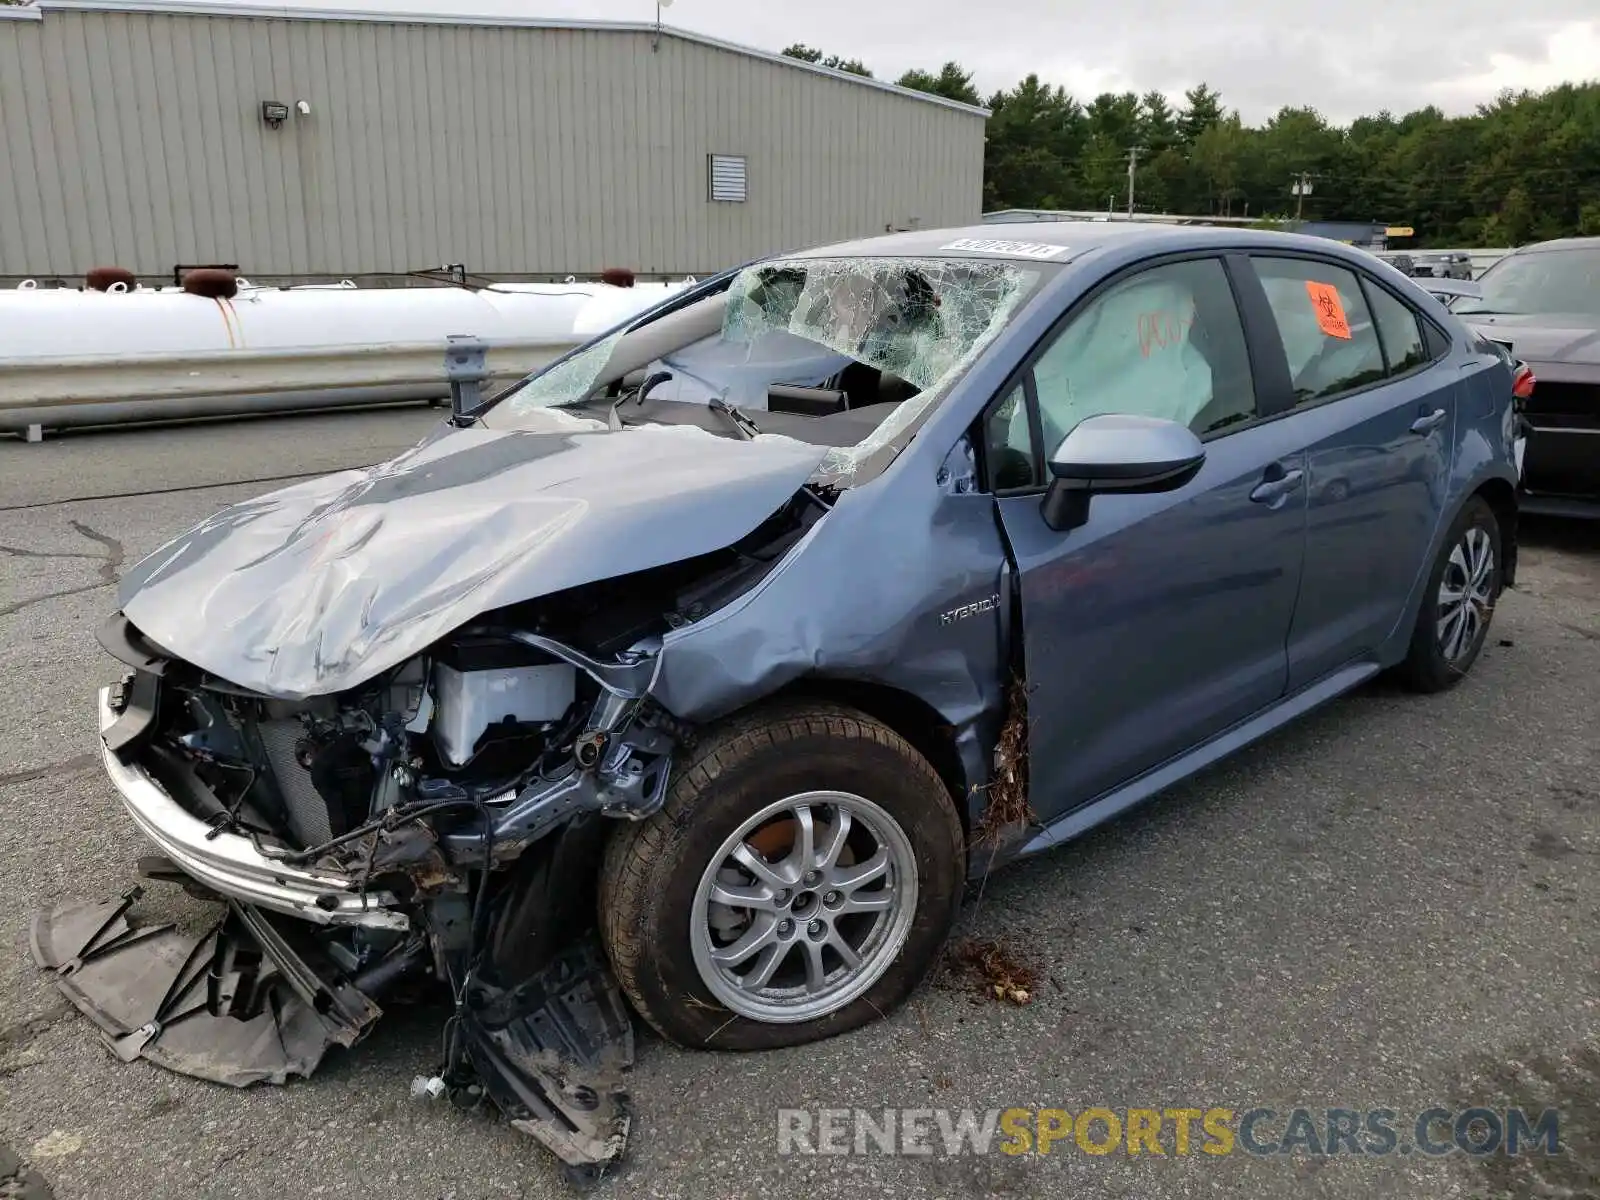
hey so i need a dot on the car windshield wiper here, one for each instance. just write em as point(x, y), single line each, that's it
point(742, 423)
point(614, 417)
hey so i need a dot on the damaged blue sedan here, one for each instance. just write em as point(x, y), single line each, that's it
point(692, 677)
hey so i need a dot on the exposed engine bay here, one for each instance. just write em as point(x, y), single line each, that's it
point(452, 809)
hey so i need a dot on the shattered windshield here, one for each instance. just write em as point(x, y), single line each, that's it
point(847, 353)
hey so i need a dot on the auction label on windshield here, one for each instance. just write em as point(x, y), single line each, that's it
point(1329, 308)
point(1004, 248)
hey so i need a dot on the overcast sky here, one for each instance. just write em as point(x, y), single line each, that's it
point(1345, 58)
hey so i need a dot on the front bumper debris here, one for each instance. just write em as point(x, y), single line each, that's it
point(253, 999)
point(292, 960)
point(238, 1004)
point(551, 1053)
point(229, 863)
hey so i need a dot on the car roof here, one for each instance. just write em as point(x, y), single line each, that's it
point(1056, 241)
point(1559, 244)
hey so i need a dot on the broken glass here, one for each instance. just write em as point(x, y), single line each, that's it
point(923, 320)
point(797, 322)
point(570, 380)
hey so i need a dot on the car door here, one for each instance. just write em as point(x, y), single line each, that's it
point(1376, 421)
point(1162, 620)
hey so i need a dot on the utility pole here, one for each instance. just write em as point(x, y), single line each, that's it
point(1133, 163)
point(1300, 189)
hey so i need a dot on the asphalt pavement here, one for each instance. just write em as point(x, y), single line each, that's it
point(1393, 905)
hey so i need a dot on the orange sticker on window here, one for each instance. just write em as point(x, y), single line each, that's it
point(1329, 308)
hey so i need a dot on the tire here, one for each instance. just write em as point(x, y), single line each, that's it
point(1428, 666)
point(659, 925)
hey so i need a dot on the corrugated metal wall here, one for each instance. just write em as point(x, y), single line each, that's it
point(136, 139)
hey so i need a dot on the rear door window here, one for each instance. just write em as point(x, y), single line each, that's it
point(1328, 331)
point(1399, 330)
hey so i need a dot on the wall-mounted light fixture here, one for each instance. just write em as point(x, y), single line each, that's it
point(274, 113)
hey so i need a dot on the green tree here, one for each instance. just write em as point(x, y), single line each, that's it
point(1221, 154)
point(1035, 136)
point(811, 54)
point(951, 82)
point(1158, 125)
point(1202, 109)
point(1112, 124)
point(1524, 167)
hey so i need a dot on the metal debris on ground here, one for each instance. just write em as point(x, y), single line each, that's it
point(19, 1181)
point(993, 966)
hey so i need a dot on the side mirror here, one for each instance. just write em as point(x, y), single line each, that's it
point(1117, 453)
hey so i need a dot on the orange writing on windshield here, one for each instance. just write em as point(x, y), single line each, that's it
point(1163, 328)
point(1329, 308)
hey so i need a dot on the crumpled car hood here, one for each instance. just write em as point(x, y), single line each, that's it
point(322, 585)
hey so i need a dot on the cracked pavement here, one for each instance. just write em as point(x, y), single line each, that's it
point(109, 569)
point(1393, 904)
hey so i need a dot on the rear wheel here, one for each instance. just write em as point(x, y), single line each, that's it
point(1463, 589)
point(799, 882)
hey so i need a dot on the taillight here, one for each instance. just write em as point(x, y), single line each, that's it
point(1522, 382)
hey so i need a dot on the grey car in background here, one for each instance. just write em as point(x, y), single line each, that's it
point(1449, 264)
point(1542, 302)
point(696, 674)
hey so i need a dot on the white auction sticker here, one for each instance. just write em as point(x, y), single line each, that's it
point(1006, 249)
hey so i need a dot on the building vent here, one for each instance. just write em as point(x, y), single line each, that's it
point(727, 177)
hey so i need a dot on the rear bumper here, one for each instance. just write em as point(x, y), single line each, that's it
point(1587, 509)
point(1562, 472)
point(229, 864)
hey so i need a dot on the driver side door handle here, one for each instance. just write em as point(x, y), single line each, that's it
point(1269, 491)
point(1428, 422)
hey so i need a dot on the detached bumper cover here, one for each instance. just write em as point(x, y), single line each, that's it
point(236, 1004)
point(229, 864)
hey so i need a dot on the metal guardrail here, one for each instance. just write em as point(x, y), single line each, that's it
point(1481, 259)
point(372, 280)
point(47, 393)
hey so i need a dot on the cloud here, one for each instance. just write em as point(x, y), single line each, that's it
point(1344, 59)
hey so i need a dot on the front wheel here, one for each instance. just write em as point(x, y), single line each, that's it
point(799, 882)
point(1463, 589)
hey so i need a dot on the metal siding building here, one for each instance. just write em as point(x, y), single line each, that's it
point(133, 134)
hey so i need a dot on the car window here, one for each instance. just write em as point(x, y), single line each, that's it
point(1008, 443)
point(1326, 327)
point(1565, 281)
point(1399, 330)
point(1166, 342)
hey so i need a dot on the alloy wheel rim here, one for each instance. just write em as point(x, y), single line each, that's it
point(804, 907)
point(1466, 595)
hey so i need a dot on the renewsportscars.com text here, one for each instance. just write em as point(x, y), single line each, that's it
point(1176, 1132)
